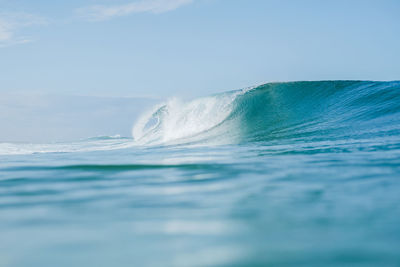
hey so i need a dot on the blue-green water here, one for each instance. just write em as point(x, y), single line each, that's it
point(284, 174)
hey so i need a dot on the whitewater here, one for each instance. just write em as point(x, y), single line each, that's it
point(281, 174)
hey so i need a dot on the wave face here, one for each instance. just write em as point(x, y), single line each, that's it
point(316, 110)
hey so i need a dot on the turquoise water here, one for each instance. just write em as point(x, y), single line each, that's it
point(283, 174)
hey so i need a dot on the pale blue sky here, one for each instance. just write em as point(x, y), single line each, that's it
point(191, 47)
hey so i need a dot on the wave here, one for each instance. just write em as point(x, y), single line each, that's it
point(308, 110)
point(276, 113)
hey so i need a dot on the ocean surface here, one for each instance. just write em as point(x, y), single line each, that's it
point(282, 174)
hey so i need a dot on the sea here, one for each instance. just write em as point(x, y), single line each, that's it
point(282, 174)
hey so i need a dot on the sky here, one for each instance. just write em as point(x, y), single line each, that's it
point(31, 118)
point(163, 48)
point(82, 68)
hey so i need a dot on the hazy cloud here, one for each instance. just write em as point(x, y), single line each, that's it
point(11, 25)
point(101, 12)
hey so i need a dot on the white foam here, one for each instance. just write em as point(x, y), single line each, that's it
point(177, 121)
point(81, 146)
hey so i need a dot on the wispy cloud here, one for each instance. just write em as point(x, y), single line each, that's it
point(11, 25)
point(100, 12)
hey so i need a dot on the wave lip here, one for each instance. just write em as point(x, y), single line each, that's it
point(306, 110)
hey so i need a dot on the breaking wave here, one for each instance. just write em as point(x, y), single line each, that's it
point(317, 110)
point(276, 113)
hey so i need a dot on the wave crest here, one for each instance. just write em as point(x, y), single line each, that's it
point(177, 121)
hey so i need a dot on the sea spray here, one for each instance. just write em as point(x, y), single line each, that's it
point(177, 121)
